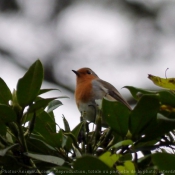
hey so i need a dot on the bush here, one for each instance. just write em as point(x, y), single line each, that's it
point(30, 143)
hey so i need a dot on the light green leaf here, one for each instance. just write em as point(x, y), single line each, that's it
point(4, 151)
point(53, 105)
point(40, 103)
point(122, 143)
point(47, 158)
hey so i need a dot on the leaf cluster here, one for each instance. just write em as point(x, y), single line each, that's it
point(31, 144)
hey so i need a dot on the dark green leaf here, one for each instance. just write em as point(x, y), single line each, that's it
point(7, 114)
point(75, 132)
point(47, 131)
point(144, 161)
point(125, 157)
point(53, 105)
point(5, 93)
point(76, 151)
point(164, 162)
point(47, 158)
point(143, 114)
point(3, 129)
point(59, 139)
point(29, 85)
point(9, 163)
point(162, 126)
point(88, 163)
point(14, 129)
point(51, 114)
point(66, 125)
point(167, 97)
point(44, 125)
point(39, 146)
point(41, 103)
point(138, 92)
point(116, 116)
point(4, 151)
point(42, 91)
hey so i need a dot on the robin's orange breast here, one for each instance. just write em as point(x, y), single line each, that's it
point(83, 92)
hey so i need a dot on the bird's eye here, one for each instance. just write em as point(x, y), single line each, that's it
point(89, 72)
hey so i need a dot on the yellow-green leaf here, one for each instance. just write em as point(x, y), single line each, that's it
point(130, 167)
point(168, 83)
point(109, 159)
point(127, 169)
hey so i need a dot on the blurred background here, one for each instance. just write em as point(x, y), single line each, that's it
point(122, 41)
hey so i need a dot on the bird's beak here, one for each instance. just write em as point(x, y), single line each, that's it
point(75, 72)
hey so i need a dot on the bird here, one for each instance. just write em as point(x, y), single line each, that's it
point(89, 89)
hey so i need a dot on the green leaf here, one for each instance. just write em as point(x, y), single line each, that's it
point(7, 114)
point(122, 143)
point(29, 85)
point(127, 169)
point(76, 151)
point(40, 103)
point(9, 164)
point(130, 167)
point(5, 93)
point(66, 125)
point(121, 169)
point(143, 114)
point(51, 114)
point(109, 159)
point(39, 146)
point(77, 129)
point(53, 105)
point(127, 156)
point(59, 139)
point(116, 115)
point(47, 131)
point(163, 126)
point(138, 92)
point(143, 162)
point(42, 91)
point(164, 162)
point(4, 151)
point(47, 158)
point(73, 135)
point(3, 129)
point(167, 97)
point(88, 163)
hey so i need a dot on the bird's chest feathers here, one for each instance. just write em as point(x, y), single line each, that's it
point(84, 92)
point(89, 92)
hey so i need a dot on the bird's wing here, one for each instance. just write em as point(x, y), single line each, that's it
point(112, 92)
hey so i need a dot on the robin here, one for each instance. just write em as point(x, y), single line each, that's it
point(89, 89)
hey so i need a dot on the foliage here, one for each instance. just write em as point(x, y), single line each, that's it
point(31, 144)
